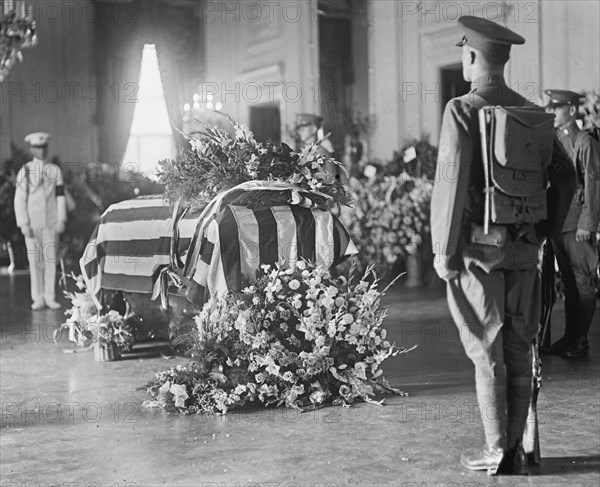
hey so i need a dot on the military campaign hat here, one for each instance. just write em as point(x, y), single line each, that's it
point(37, 139)
point(304, 119)
point(487, 36)
point(563, 97)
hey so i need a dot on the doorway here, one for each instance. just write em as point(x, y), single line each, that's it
point(453, 83)
point(265, 122)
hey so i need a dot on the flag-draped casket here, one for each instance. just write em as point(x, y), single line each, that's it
point(235, 239)
point(145, 246)
point(132, 243)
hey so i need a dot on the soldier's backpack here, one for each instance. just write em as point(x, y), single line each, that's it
point(517, 145)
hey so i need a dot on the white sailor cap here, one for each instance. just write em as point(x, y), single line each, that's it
point(37, 139)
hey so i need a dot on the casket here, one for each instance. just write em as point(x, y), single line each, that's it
point(146, 249)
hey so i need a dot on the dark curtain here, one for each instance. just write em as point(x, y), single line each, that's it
point(177, 32)
point(119, 44)
point(336, 76)
point(121, 31)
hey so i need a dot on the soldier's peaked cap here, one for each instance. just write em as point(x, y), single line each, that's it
point(564, 97)
point(303, 119)
point(487, 36)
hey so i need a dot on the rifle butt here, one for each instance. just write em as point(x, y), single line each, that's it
point(531, 435)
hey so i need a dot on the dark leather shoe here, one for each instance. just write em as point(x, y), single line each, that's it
point(488, 459)
point(560, 346)
point(580, 349)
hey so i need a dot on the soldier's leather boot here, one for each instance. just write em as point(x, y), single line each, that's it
point(558, 347)
point(580, 349)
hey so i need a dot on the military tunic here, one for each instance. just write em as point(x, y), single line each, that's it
point(578, 260)
point(495, 300)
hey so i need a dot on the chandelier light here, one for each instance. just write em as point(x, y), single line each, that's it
point(17, 32)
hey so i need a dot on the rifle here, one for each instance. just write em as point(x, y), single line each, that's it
point(531, 437)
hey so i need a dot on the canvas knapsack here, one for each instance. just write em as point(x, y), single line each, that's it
point(517, 144)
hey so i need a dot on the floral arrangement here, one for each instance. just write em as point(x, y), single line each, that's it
point(82, 310)
point(299, 338)
point(418, 158)
point(390, 217)
point(86, 324)
point(16, 33)
point(218, 161)
point(112, 327)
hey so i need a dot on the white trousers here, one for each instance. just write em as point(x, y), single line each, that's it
point(42, 253)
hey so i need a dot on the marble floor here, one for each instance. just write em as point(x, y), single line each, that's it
point(68, 420)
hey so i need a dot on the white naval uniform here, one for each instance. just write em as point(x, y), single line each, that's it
point(40, 205)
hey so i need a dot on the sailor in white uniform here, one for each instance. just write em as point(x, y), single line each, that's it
point(41, 214)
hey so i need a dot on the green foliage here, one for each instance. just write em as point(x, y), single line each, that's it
point(219, 161)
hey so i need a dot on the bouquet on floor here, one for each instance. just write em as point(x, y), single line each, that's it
point(219, 160)
point(112, 327)
point(86, 325)
point(82, 310)
point(299, 338)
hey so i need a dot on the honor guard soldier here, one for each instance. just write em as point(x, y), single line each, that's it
point(574, 247)
point(40, 211)
point(491, 267)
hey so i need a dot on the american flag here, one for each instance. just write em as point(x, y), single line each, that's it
point(136, 241)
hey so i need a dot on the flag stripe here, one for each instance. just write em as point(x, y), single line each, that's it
point(137, 248)
point(138, 213)
point(135, 230)
point(206, 250)
point(134, 266)
point(287, 243)
point(229, 248)
point(127, 282)
point(323, 237)
point(215, 282)
point(267, 236)
point(305, 232)
point(248, 238)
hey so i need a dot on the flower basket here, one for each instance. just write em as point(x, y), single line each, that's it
point(106, 352)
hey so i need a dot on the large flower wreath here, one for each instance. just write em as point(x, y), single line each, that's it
point(298, 337)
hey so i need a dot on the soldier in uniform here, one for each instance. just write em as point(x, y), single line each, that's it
point(574, 247)
point(493, 292)
point(41, 214)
